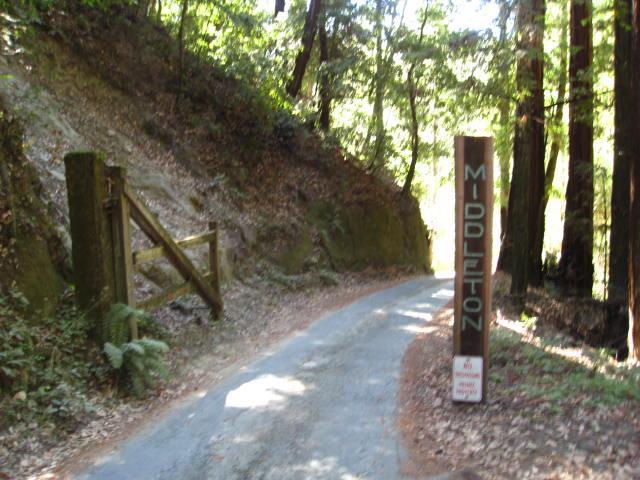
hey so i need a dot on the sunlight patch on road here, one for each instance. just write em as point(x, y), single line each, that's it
point(324, 468)
point(239, 439)
point(445, 293)
point(445, 275)
point(427, 317)
point(415, 328)
point(264, 391)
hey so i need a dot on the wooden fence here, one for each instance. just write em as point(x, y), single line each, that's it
point(101, 205)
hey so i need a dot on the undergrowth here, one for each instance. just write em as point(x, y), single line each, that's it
point(546, 371)
point(45, 367)
point(48, 369)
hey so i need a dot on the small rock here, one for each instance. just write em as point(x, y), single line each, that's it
point(20, 396)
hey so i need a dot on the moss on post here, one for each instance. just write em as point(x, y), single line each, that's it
point(92, 246)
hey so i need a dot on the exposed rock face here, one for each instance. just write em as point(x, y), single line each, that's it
point(32, 257)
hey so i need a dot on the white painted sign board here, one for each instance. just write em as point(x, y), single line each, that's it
point(467, 379)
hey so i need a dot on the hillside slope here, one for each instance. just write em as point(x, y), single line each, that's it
point(287, 204)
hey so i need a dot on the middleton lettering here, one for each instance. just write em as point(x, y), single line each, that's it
point(473, 234)
point(473, 246)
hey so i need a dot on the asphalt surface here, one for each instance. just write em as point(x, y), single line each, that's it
point(321, 405)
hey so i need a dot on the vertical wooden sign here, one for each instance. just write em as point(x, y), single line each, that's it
point(472, 299)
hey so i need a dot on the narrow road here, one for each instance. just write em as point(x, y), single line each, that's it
point(320, 406)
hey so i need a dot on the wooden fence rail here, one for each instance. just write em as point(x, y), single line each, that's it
point(101, 244)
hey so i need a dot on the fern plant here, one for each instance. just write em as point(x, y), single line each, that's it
point(138, 362)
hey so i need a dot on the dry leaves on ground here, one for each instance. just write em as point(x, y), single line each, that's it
point(553, 411)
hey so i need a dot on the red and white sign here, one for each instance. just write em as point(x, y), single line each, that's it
point(467, 379)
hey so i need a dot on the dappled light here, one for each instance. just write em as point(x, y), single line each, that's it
point(265, 391)
point(229, 230)
point(416, 314)
point(417, 328)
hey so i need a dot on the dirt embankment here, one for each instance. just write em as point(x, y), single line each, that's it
point(286, 202)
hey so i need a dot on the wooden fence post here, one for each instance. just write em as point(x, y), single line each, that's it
point(92, 247)
point(214, 265)
point(121, 237)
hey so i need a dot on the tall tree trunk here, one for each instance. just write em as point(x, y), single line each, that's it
point(325, 90)
point(504, 160)
point(528, 149)
point(506, 123)
point(576, 262)
point(415, 133)
point(556, 134)
point(537, 173)
point(415, 137)
point(377, 158)
point(558, 115)
point(634, 245)
point(302, 59)
point(183, 17)
point(623, 144)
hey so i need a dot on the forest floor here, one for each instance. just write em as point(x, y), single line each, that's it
point(257, 315)
point(556, 409)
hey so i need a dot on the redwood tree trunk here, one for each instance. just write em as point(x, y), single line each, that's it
point(623, 144)
point(634, 245)
point(576, 262)
point(558, 115)
point(506, 124)
point(537, 173)
point(527, 184)
point(308, 34)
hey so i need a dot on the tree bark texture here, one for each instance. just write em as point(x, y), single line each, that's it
point(576, 262)
point(302, 59)
point(536, 172)
point(623, 144)
point(527, 184)
point(634, 226)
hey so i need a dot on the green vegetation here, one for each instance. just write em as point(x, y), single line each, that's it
point(46, 370)
point(547, 372)
point(139, 363)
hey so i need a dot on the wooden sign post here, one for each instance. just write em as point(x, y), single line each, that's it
point(472, 300)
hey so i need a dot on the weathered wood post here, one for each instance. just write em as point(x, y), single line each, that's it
point(121, 238)
point(92, 247)
point(472, 300)
point(214, 265)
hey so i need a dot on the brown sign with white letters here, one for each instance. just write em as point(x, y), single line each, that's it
point(474, 209)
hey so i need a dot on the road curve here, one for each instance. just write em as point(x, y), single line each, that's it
point(319, 406)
